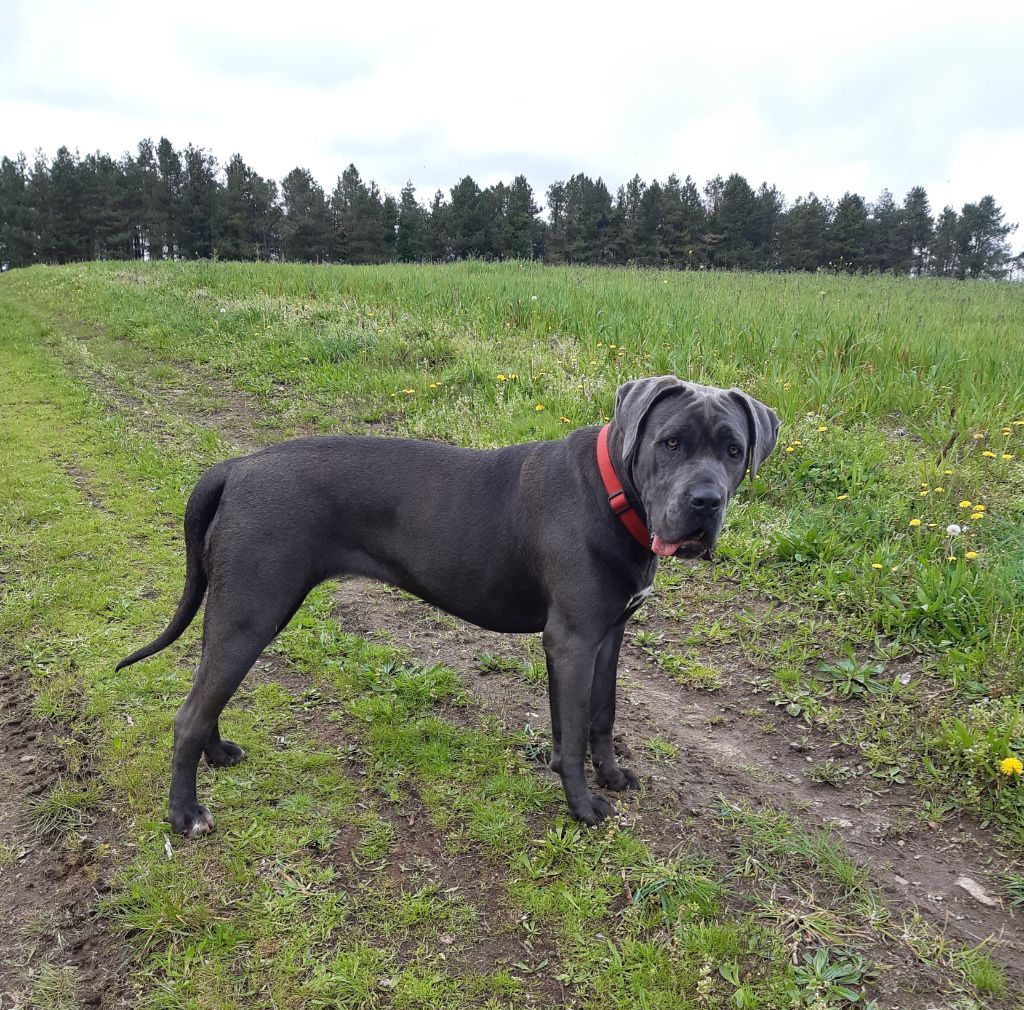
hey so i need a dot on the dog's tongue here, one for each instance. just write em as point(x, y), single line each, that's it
point(662, 548)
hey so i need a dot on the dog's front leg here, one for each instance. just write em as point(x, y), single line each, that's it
point(610, 774)
point(571, 657)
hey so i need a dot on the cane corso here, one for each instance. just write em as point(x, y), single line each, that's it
point(561, 537)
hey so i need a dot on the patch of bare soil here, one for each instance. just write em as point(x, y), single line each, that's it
point(49, 887)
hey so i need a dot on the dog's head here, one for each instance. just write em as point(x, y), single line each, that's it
point(686, 448)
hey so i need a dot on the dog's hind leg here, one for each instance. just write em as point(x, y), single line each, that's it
point(242, 617)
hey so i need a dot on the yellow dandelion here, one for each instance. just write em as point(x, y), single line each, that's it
point(789, 448)
point(1006, 431)
point(409, 392)
point(785, 385)
point(922, 494)
point(951, 557)
point(842, 497)
point(822, 427)
point(1011, 766)
point(1018, 423)
point(500, 377)
point(975, 516)
point(965, 504)
point(895, 568)
point(939, 490)
point(979, 507)
point(915, 522)
point(932, 526)
point(539, 407)
point(797, 441)
point(948, 473)
point(988, 454)
point(1007, 455)
point(923, 484)
point(971, 555)
point(979, 434)
point(876, 565)
point(564, 420)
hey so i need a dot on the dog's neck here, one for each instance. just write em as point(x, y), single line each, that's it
point(625, 473)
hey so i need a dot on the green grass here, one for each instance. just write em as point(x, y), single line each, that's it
point(295, 900)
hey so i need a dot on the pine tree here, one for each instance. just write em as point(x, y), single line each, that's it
point(684, 223)
point(17, 239)
point(918, 229)
point(555, 239)
point(69, 241)
point(885, 250)
point(942, 253)
point(198, 199)
point(465, 219)
point(518, 228)
point(168, 199)
point(438, 244)
point(305, 226)
point(736, 220)
point(361, 230)
point(411, 242)
point(803, 235)
point(983, 249)
point(847, 238)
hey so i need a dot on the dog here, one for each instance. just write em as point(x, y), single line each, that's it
point(560, 537)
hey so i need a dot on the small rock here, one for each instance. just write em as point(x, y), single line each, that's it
point(25, 758)
point(902, 881)
point(976, 891)
point(841, 822)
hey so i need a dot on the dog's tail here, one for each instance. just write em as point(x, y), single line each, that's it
point(199, 512)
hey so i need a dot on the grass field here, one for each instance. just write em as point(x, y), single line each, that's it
point(825, 720)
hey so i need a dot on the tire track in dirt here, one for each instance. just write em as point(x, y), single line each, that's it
point(721, 752)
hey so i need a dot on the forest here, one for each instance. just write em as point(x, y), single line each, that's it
point(167, 203)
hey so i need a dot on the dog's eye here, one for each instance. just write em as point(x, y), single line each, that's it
point(734, 451)
point(672, 443)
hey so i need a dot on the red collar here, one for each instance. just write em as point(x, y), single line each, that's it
point(617, 499)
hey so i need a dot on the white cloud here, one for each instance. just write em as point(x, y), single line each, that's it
point(807, 96)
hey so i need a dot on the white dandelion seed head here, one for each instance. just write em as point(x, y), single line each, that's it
point(953, 530)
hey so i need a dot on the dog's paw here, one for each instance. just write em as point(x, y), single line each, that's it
point(223, 754)
point(616, 778)
point(592, 810)
point(191, 820)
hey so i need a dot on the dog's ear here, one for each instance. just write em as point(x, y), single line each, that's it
point(763, 426)
point(633, 402)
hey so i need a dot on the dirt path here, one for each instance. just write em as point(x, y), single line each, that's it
point(49, 886)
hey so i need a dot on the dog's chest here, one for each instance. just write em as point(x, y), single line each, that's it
point(638, 598)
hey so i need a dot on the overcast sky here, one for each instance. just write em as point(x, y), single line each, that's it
point(873, 95)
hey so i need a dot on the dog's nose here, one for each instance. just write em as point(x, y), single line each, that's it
point(706, 499)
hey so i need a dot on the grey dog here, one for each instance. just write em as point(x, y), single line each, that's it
point(521, 539)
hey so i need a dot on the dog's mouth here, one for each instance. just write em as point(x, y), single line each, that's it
point(696, 544)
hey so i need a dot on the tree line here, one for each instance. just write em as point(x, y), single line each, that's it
point(165, 203)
